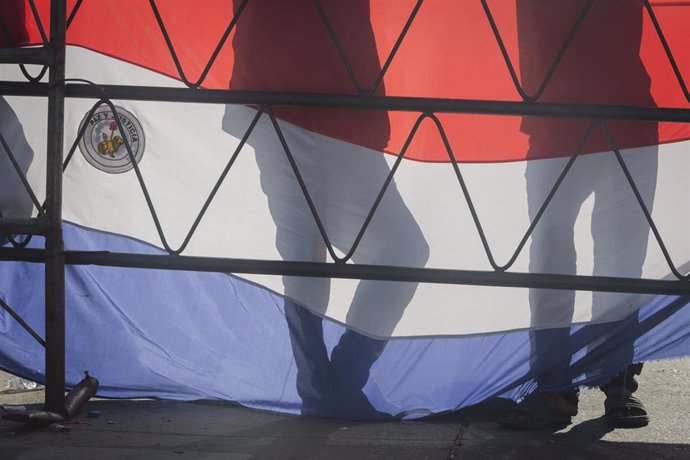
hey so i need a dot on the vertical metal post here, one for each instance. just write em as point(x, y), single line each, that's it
point(55, 263)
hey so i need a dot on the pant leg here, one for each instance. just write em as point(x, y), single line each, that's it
point(392, 237)
point(625, 379)
point(552, 250)
point(621, 234)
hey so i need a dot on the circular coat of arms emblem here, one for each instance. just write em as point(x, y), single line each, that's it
point(103, 143)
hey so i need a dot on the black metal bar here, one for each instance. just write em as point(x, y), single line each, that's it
point(142, 183)
point(303, 187)
point(384, 188)
point(41, 55)
point(22, 226)
point(39, 23)
point(218, 183)
point(396, 47)
point(80, 134)
point(21, 322)
point(557, 184)
point(643, 206)
point(392, 103)
point(32, 78)
point(554, 65)
point(352, 271)
point(22, 255)
point(73, 13)
point(667, 50)
point(466, 193)
point(144, 188)
point(380, 272)
point(22, 88)
point(343, 55)
point(55, 263)
point(15, 242)
point(339, 47)
point(214, 55)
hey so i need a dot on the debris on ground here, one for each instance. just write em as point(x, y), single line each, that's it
point(13, 408)
point(12, 384)
point(34, 417)
point(57, 428)
point(76, 398)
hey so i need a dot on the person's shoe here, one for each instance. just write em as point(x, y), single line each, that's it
point(539, 411)
point(623, 410)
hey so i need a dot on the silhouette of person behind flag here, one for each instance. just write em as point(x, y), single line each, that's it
point(14, 200)
point(601, 66)
point(284, 46)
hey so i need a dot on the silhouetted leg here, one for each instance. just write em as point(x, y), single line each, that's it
point(621, 233)
point(392, 238)
point(352, 359)
point(15, 201)
point(552, 250)
point(297, 238)
point(315, 383)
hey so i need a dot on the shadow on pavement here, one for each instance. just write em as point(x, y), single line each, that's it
point(159, 429)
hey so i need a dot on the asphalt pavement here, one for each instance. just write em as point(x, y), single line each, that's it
point(148, 429)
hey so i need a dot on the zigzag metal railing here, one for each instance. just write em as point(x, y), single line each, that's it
point(214, 55)
point(675, 114)
point(44, 41)
point(326, 22)
point(384, 187)
point(428, 108)
point(346, 61)
point(142, 182)
point(344, 57)
point(408, 24)
point(22, 323)
point(667, 50)
point(557, 60)
point(566, 44)
point(642, 204)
